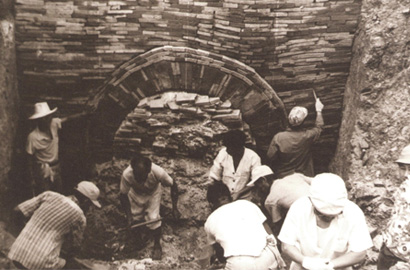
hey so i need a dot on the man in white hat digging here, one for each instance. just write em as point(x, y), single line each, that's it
point(42, 149)
point(325, 231)
point(54, 218)
point(290, 150)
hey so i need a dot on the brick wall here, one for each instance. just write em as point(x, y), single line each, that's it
point(66, 49)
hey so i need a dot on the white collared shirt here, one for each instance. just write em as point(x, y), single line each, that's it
point(223, 169)
point(42, 147)
point(347, 232)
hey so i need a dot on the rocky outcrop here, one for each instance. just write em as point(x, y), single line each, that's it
point(375, 124)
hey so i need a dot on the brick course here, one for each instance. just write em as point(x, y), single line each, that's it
point(70, 47)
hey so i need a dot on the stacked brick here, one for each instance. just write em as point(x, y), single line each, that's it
point(178, 123)
point(75, 44)
point(66, 49)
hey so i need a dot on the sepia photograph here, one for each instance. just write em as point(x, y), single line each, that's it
point(205, 134)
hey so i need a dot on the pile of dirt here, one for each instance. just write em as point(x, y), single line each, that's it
point(181, 238)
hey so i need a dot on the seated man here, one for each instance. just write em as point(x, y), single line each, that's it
point(239, 228)
point(234, 163)
point(141, 189)
point(325, 230)
point(283, 193)
point(396, 244)
point(53, 219)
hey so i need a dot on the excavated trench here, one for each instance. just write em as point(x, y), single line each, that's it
point(181, 132)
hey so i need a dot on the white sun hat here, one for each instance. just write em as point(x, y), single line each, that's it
point(259, 172)
point(90, 190)
point(404, 155)
point(41, 109)
point(328, 193)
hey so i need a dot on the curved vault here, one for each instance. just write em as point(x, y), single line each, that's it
point(191, 70)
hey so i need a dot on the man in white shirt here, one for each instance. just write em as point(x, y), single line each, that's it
point(42, 149)
point(234, 164)
point(325, 230)
point(283, 193)
point(239, 228)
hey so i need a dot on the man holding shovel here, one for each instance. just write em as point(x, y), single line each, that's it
point(42, 149)
point(140, 196)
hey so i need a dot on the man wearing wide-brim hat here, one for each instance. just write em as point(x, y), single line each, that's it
point(42, 148)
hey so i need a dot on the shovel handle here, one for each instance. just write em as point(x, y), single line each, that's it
point(140, 224)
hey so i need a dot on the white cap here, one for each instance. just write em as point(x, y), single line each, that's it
point(297, 115)
point(328, 193)
point(404, 155)
point(259, 172)
point(90, 190)
point(41, 109)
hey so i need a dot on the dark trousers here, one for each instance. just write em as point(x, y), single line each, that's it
point(18, 265)
point(386, 258)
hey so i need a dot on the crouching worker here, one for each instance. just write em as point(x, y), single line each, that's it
point(283, 193)
point(239, 233)
point(325, 230)
point(396, 245)
point(141, 189)
point(54, 218)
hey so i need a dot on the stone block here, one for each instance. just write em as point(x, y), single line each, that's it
point(185, 98)
point(202, 100)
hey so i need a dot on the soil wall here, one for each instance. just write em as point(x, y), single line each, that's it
point(8, 91)
point(376, 124)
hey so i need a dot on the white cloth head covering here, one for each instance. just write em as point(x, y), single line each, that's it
point(90, 190)
point(41, 109)
point(259, 172)
point(328, 193)
point(297, 115)
point(404, 155)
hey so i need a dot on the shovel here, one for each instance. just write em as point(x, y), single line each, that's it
point(137, 225)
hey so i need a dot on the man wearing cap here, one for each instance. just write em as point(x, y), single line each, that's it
point(239, 233)
point(325, 230)
point(42, 148)
point(396, 246)
point(140, 196)
point(262, 179)
point(53, 219)
point(234, 163)
point(290, 150)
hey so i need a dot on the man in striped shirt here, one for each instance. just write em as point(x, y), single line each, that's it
point(54, 218)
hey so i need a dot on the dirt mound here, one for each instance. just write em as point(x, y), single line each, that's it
point(181, 238)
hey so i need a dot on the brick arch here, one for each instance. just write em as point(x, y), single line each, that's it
point(192, 70)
